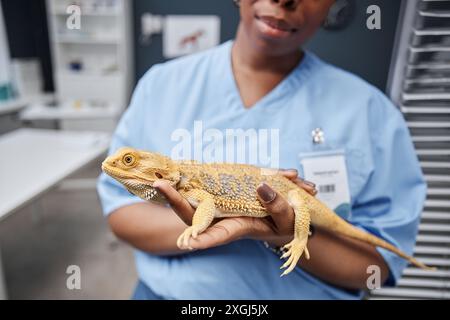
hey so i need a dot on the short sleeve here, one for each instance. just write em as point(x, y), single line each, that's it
point(391, 202)
point(112, 194)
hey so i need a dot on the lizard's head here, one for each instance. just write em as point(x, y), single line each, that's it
point(138, 170)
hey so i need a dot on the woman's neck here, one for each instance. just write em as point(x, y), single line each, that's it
point(247, 56)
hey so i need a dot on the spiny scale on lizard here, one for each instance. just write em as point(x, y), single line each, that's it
point(235, 192)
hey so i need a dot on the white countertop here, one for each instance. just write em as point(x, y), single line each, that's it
point(11, 106)
point(32, 161)
point(18, 104)
point(44, 112)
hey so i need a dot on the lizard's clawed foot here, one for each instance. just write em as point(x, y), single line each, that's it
point(183, 239)
point(295, 249)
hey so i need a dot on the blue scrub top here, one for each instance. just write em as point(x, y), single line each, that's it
point(386, 183)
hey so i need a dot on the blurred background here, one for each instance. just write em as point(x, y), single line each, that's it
point(68, 68)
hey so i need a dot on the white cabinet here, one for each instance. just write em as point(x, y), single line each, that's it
point(92, 63)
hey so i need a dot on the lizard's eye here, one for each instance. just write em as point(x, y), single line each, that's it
point(158, 175)
point(129, 159)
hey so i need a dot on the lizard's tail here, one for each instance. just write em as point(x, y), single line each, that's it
point(340, 226)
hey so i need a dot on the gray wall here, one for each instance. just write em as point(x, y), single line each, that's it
point(357, 49)
point(146, 56)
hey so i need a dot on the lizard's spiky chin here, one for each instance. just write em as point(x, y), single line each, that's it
point(143, 191)
point(136, 185)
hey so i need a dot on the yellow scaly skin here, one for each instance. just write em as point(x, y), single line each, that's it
point(219, 190)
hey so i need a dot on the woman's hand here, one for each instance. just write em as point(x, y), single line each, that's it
point(277, 229)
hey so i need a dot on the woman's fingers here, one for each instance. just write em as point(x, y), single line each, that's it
point(279, 209)
point(221, 233)
point(307, 186)
point(226, 231)
point(180, 205)
point(292, 174)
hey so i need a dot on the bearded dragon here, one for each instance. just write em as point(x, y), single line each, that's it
point(218, 190)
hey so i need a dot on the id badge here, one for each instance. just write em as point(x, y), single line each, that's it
point(328, 170)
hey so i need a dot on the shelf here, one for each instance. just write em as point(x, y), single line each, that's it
point(12, 106)
point(42, 112)
point(91, 13)
point(86, 40)
point(89, 75)
point(18, 104)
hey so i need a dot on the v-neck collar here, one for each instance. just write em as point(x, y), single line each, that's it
point(291, 81)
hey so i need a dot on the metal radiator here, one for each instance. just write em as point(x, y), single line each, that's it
point(420, 85)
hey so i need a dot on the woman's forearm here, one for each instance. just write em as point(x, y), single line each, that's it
point(148, 227)
point(337, 260)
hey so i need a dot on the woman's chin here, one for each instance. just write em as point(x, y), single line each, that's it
point(271, 47)
point(271, 43)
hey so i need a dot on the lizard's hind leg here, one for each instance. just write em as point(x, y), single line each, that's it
point(296, 247)
point(203, 216)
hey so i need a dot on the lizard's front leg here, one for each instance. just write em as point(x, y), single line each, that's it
point(297, 246)
point(203, 216)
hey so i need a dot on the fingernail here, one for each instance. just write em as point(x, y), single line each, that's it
point(266, 193)
point(309, 183)
point(156, 184)
point(292, 171)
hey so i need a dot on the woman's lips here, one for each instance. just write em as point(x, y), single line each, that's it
point(273, 27)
